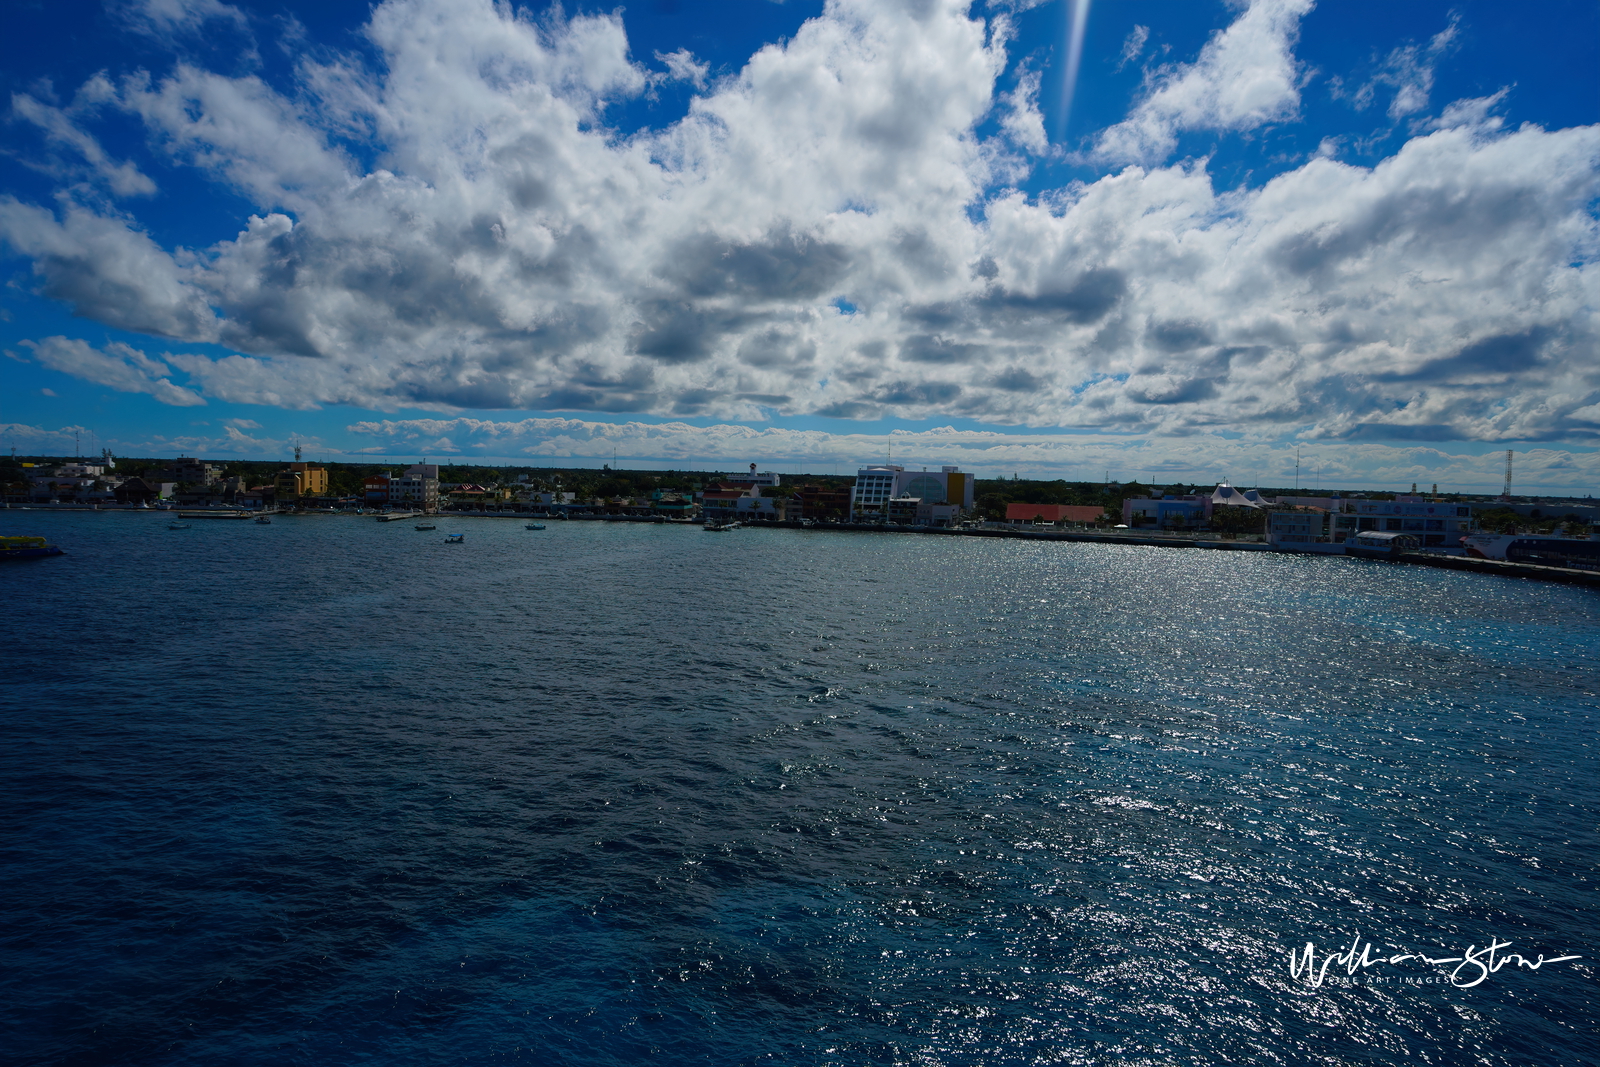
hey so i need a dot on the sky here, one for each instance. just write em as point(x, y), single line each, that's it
point(1156, 240)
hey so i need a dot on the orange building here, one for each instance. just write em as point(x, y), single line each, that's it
point(301, 479)
point(1053, 513)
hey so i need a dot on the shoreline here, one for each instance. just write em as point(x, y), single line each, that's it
point(1500, 568)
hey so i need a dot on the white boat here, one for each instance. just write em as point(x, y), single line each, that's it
point(455, 539)
point(1549, 550)
point(1381, 544)
point(535, 526)
point(426, 526)
point(262, 520)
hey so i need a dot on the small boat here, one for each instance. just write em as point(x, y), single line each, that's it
point(426, 526)
point(455, 539)
point(27, 548)
point(262, 520)
point(720, 527)
point(178, 526)
point(535, 526)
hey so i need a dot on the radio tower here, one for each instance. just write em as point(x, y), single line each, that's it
point(1505, 494)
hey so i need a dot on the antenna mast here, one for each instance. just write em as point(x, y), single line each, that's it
point(1506, 492)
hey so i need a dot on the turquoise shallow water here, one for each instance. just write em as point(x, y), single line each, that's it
point(330, 791)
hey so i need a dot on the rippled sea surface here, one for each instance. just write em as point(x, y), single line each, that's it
point(331, 791)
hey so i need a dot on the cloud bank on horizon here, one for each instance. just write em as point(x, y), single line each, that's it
point(450, 222)
point(1081, 457)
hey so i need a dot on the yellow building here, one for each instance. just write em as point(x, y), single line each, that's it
point(301, 479)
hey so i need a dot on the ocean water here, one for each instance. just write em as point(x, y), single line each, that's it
point(331, 792)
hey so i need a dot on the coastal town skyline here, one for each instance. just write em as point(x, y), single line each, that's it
point(1238, 237)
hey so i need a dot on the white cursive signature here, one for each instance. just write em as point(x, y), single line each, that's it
point(1477, 963)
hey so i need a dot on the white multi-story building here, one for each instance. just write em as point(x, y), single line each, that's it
point(1336, 521)
point(939, 496)
point(417, 487)
point(1436, 522)
point(766, 479)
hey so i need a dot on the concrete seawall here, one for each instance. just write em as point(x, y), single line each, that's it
point(1504, 569)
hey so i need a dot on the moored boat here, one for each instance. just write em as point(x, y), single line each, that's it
point(535, 526)
point(1547, 550)
point(426, 526)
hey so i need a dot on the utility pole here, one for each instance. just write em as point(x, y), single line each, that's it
point(1297, 469)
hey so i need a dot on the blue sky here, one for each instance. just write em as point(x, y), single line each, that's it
point(802, 234)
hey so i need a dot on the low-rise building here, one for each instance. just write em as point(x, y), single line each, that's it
point(1301, 529)
point(1056, 514)
point(1436, 523)
point(137, 491)
point(1173, 512)
point(719, 505)
point(672, 505)
point(821, 503)
point(375, 490)
point(548, 500)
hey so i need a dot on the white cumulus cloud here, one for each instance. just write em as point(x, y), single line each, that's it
point(827, 232)
point(118, 366)
point(1245, 76)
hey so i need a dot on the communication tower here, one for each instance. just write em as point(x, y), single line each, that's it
point(1505, 494)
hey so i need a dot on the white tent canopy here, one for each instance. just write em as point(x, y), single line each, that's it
point(1239, 498)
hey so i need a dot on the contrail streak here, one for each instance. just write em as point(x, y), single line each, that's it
point(1077, 23)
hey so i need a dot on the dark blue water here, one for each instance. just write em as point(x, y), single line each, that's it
point(332, 792)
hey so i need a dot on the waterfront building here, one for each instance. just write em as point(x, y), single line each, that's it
point(298, 480)
point(821, 503)
point(719, 505)
point(1056, 514)
point(137, 491)
point(941, 495)
point(417, 487)
point(375, 490)
point(673, 505)
point(1170, 511)
point(1436, 523)
point(1301, 529)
